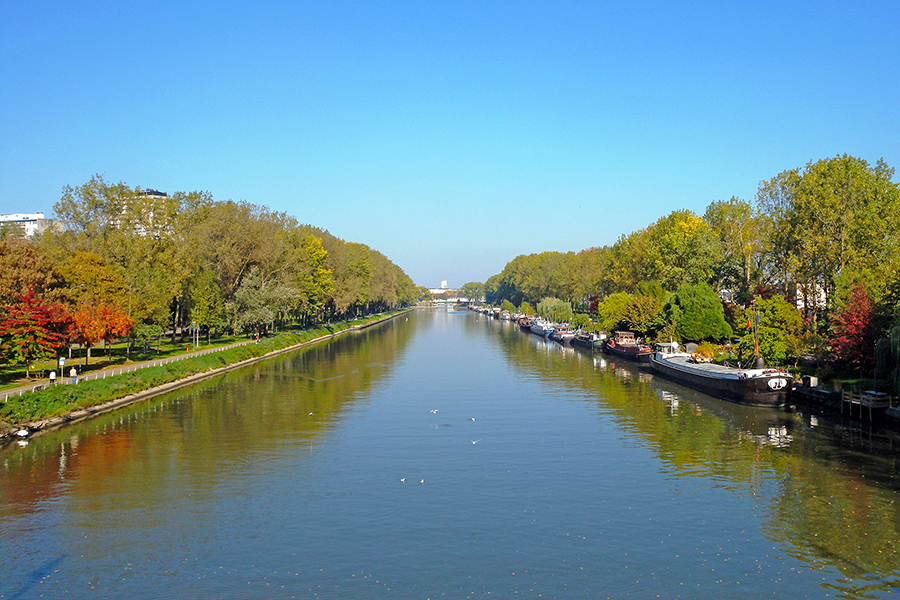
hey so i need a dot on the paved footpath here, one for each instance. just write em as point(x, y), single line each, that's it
point(112, 371)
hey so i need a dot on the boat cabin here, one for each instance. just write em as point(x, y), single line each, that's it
point(625, 337)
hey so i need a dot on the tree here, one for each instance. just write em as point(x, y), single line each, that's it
point(778, 326)
point(641, 312)
point(507, 306)
point(855, 330)
point(95, 323)
point(580, 321)
point(555, 310)
point(833, 223)
point(473, 291)
point(739, 230)
point(208, 306)
point(611, 310)
point(32, 329)
point(526, 309)
point(147, 331)
point(697, 313)
point(313, 278)
point(25, 266)
point(92, 281)
point(252, 308)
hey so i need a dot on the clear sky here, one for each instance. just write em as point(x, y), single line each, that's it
point(450, 136)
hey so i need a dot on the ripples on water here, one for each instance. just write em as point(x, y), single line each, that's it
point(579, 477)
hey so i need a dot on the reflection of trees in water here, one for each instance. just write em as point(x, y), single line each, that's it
point(193, 436)
point(836, 498)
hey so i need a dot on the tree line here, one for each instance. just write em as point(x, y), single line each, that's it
point(811, 267)
point(126, 261)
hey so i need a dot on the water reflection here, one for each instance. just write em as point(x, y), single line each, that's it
point(211, 431)
point(591, 477)
point(828, 486)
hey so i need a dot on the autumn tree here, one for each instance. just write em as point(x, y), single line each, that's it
point(32, 329)
point(855, 330)
point(25, 266)
point(101, 322)
point(90, 280)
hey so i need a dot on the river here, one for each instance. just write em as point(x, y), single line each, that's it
point(447, 455)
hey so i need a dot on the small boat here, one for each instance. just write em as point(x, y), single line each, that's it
point(525, 323)
point(589, 339)
point(754, 387)
point(625, 345)
point(562, 333)
point(541, 327)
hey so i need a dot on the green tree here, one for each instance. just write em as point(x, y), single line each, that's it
point(739, 230)
point(640, 314)
point(252, 310)
point(527, 309)
point(555, 310)
point(833, 223)
point(697, 313)
point(778, 327)
point(473, 291)
point(208, 305)
point(581, 321)
point(611, 311)
point(508, 306)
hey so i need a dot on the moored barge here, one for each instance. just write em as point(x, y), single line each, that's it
point(753, 387)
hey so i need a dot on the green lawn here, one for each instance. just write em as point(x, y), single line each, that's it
point(116, 354)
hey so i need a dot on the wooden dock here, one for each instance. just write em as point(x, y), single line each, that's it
point(869, 399)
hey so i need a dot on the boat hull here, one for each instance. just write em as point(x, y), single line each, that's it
point(587, 342)
point(764, 390)
point(632, 353)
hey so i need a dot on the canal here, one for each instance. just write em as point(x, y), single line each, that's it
point(447, 455)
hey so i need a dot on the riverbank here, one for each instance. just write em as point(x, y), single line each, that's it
point(61, 405)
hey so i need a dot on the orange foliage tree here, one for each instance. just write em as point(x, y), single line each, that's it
point(96, 323)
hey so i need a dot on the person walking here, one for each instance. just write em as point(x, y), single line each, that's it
point(52, 377)
point(74, 375)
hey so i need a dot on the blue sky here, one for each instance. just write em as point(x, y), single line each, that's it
point(450, 136)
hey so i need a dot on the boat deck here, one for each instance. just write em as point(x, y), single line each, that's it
point(685, 363)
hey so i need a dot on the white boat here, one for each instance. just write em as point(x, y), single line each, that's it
point(541, 327)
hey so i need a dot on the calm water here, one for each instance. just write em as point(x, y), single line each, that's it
point(579, 477)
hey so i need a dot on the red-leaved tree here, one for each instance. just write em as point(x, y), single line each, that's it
point(855, 331)
point(32, 329)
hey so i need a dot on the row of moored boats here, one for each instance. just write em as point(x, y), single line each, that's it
point(757, 386)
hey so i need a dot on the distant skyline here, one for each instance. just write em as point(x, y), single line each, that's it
point(450, 136)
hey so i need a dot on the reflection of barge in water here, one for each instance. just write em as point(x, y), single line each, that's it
point(754, 387)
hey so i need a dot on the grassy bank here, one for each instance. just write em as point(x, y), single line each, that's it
point(61, 400)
